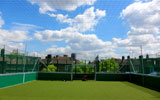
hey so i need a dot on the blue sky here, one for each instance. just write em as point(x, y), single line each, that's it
point(108, 31)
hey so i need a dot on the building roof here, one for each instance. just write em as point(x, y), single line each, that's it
point(60, 60)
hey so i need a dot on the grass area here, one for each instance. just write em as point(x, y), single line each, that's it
point(78, 90)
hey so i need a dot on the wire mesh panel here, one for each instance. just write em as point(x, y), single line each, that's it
point(108, 65)
point(17, 68)
point(83, 68)
point(135, 66)
point(127, 67)
point(15, 62)
point(55, 72)
point(150, 66)
point(84, 71)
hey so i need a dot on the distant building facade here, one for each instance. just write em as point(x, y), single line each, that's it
point(60, 61)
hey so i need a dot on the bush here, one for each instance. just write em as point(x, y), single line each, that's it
point(51, 68)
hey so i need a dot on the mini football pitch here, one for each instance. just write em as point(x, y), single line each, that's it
point(78, 90)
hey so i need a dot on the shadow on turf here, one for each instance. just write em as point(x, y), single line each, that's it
point(156, 94)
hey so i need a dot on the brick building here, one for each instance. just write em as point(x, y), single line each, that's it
point(61, 62)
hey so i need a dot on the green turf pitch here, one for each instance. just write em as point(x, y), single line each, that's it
point(78, 90)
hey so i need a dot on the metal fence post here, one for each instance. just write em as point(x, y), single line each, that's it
point(3, 61)
point(17, 62)
point(142, 67)
point(128, 58)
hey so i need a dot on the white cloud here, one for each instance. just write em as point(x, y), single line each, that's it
point(82, 22)
point(144, 31)
point(76, 40)
point(82, 44)
point(24, 27)
point(100, 13)
point(60, 50)
point(12, 35)
point(52, 5)
point(143, 14)
point(88, 19)
point(13, 39)
point(81, 54)
point(15, 36)
point(141, 39)
point(14, 46)
point(142, 17)
point(143, 20)
point(121, 42)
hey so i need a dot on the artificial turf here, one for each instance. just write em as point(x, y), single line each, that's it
point(78, 90)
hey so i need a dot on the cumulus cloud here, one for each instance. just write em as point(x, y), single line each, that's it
point(53, 5)
point(14, 36)
point(60, 50)
point(14, 46)
point(143, 14)
point(82, 22)
point(76, 39)
point(13, 39)
point(143, 20)
point(142, 17)
point(82, 44)
point(88, 19)
point(81, 54)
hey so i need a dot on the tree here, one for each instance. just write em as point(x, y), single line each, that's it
point(83, 68)
point(108, 65)
point(51, 68)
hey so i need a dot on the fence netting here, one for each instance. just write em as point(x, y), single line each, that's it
point(15, 62)
point(141, 65)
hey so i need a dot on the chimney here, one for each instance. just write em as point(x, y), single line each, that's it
point(123, 58)
point(147, 56)
point(49, 57)
point(128, 57)
point(57, 56)
point(66, 56)
point(73, 56)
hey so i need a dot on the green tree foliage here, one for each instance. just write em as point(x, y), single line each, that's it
point(51, 68)
point(108, 65)
point(83, 68)
point(78, 69)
